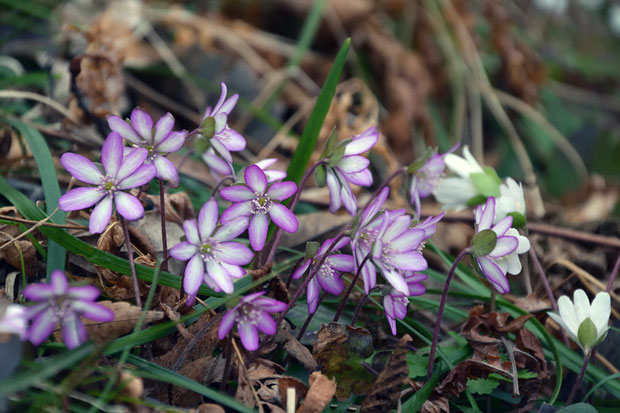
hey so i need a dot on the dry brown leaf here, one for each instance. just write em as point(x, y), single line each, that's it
point(319, 394)
point(294, 348)
point(16, 250)
point(112, 238)
point(533, 303)
point(209, 408)
point(178, 206)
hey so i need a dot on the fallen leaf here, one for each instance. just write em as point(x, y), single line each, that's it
point(319, 394)
point(210, 408)
point(294, 348)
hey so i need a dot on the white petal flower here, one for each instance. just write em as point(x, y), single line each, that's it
point(13, 320)
point(511, 199)
point(453, 193)
point(463, 166)
point(577, 317)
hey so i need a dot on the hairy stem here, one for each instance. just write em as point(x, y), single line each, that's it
point(442, 304)
point(577, 384)
point(162, 213)
point(132, 265)
point(351, 286)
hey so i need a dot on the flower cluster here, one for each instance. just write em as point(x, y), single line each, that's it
point(395, 302)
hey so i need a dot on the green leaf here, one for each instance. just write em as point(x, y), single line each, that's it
point(483, 242)
point(332, 140)
point(308, 139)
point(207, 127)
point(43, 158)
point(487, 182)
point(336, 155)
point(320, 176)
point(312, 248)
point(518, 219)
point(418, 364)
point(578, 408)
point(587, 333)
point(476, 200)
point(482, 386)
point(201, 145)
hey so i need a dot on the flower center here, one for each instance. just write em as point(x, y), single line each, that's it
point(261, 204)
point(326, 270)
point(249, 313)
point(208, 250)
point(108, 185)
point(61, 307)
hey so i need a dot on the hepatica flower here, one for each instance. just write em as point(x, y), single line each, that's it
point(13, 319)
point(57, 302)
point(503, 258)
point(213, 257)
point(254, 200)
point(586, 324)
point(511, 201)
point(159, 141)
point(121, 173)
point(351, 169)
point(273, 175)
point(251, 315)
point(328, 276)
point(395, 303)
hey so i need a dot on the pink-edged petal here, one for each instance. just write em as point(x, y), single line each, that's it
point(232, 229)
point(183, 251)
point(301, 269)
point(408, 261)
point(81, 168)
point(207, 218)
point(220, 149)
point(227, 323)
point(80, 198)
point(191, 232)
point(131, 162)
point(83, 292)
point(397, 281)
point(362, 143)
point(233, 270)
point(172, 143)
point(163, 127)
point(93, 311)
point(369, 276)
point(128, 206)
point(112, 154)
point(332, 284)
point(42, 327)
point(229, 104)
point(312, 295)
point(504, 246)
point(361, 178)
point(231, 139)
point(270, 305)
point(121, 127)
point(397, 228)
point(487, 215)
point(348, 199)
point(374, 207)
point(388, 306)
point(283, 217)
point(235, 253)
point(282, 190)
point(59, 282)
point(236, 193)
point(334, 192)
point(342, 242)
point(249, 335)
point(351, 164)
point(503, 226)
point(255, 179)
point(100, 217)
point(274, 175)
point(141, 176)
point(342, 262)
point(416, 289)
point(142, 123)
point(258, 231)
point(217, 164)
point(392, 324)
point(166, 171)
point(38, 292)
point(266, 323)
point(73, 331)
point(220, 276)
point(494, 274)
point(220, 101)
point(409, 240)
point(194, 274)
point(236, 211)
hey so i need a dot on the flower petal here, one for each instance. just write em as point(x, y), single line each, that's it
point(131, 162)
point(348, 199)
point(100, 217)
point(166, 171)
point(73, 331)
point(408, 261)
point(233, 270)
point(258, 231)
point(312, 295)
point(231, 139)
point(193, 276)
point(220, 276)
point(93, 311)
point(582, 305)
point(568, 314)
point(172, 143)
point(38, 292)
point(128, 206)
point(283, 217)
point(361, 178)
point(342, 262)
point(123, 128)
point(600, 311)
point(494, 274)
point(363, 142)
point(80, 198)
point(249, 335)
point(397, 228)
point(282, 190)
point(503, 246)
point(266, 323)
point(232, 229)
point(83, 292)
point(351, 164)
point(301, 269)
point(142, 123)
point(234, 253)
point(503, 225)
point(332, 284)
point(374, 207)
point(81, 168)
point(112, 154)
point(255, 179)
point(191, 232)
point(183, 251)
point(207, 219)
point(226, 324)
point(236, 193)
point(163, 127)
point(59, 282)
point(397, 281)
point(141, 176)
point(409, 240)
point(236, 211)
point(42, 327)
point(334, 192)
point(488, 213)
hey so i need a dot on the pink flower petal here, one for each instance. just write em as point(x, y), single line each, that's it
point(83, 292)
point(231, 139)
point(81, 168)
point(408, 261)
point(183, 251)
point(504, 246)
point(372, 209)
point(236, 193)
point(361, 178)
point(255, 179)
point(42, 327)
point(194, 274)
point(334, 192)
point(258, 231)
point(128, 206)
point(59, 282)
point(123, 128)
point(232, 229)
point(351, 164)
point(142, 123)
point(235, 211)
point(207, 218)
point(93, 311)
point(220, 276)
point(166, 171)
point(191, 232)
point(362, 143)
point(80, 198)
point(73, 332)
point(112, 154)
point(487, 215)
point(226, 324)
point(282, 190)
point(131, 162)
point(172, 143)
point(494, 274)
point(38, 292)
point(342, 262)
point(163, 127)
point(249, 335)
point(100, 217)
point(283, 217)
point(143, 175)
point(235, 253)
point(266, 323)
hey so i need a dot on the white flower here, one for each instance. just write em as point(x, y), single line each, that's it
point(463, 166)
point(556, 7)
point(586, 324)
point(511, 263)
point(511, 199)
point(453, 193)
point(13, 320)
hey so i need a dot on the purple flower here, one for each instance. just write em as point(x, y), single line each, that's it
point(425, 180)
point(158, 141)
point(395, 303)
point(218, 167)
point(429, 226)
point(121, 173)
point(254, 200)
point(498, 262)
point(13, 319)
point(213, 257)
point(352, 169)
point(273, 175)
point(58, 302)
point(328, 276)
point(251, 315)
point(225, 139)
point(393, 246)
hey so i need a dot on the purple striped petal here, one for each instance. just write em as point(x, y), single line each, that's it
point(123, 128)
point(233, 270)
point(342, 262)
point(231, 139)
point(166, 171)
point(249, 335)
point(352, 164)
point(232, 229)
point(332, 284)
point(131, 162)
point(220, 101)
point(236, 193)
point(217, 164)
point(112, 154)
point(191, 232)
point(504, 246)
point(270, 305)
point(128, 206)
point(141, 176)
point(487, 215)
point(266, 323)
point(42, 327)
point(100, 217)
point(494, 274)
point(83, 292)
point(220, 276)
point(363, 142)
point(409, 240)
point(416, 289)
point(163, 127)
point(59, 282)
point(503, 226)
point(348, 199)
point(236, 211)
point(369, 276)
point(229, 104)
point(408, 261)
point(375, 206)
point(81, 168)
point(207, 218)
point(38, 292)
point(172, 143)
point(282, 190)
point(361, 178)
point(194, 274)
point(334, 192)
point(283, 217)
point(397, 281)
point(227, 323)
point(301, 269)
point(80, 198)
point(255, 179)
point(258, 231)
point(183, 251)
point(142, 123)
point(73, 331)
point(397, 228)
point(235, 253)
point(220, 149)
point(312, 295)
point(388, 306)
point(93, 311)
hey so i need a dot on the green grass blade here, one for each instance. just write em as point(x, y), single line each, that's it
point(43, 158)
point(310, 135)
